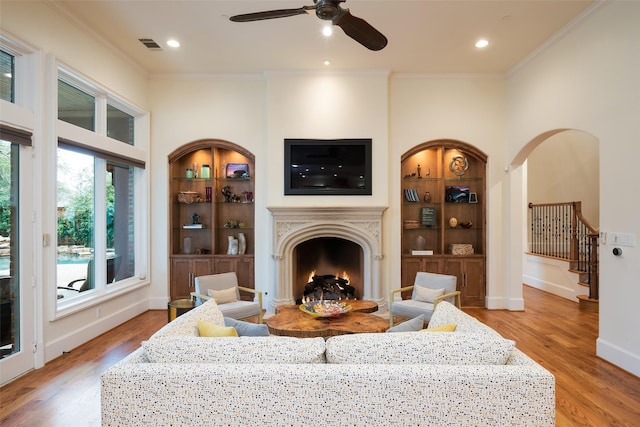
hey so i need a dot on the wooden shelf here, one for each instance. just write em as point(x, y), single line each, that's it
point(208, 244)
point(433, 158)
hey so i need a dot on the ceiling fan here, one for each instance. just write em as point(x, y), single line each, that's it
point(329, 10)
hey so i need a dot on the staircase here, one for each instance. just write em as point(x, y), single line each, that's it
point(559, 231)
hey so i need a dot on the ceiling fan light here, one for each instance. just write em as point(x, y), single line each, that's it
point(327, 30)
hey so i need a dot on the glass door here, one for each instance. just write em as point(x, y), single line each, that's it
point(16, 262)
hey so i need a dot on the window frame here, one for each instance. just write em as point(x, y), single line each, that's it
point(105, 149)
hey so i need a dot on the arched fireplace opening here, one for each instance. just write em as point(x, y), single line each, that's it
point(323, 265)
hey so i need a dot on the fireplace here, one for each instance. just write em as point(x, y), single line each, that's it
point(330, 266)
point(357, 231)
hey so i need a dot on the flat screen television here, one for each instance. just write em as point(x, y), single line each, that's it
point(327, 166)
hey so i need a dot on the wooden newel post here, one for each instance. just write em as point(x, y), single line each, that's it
point(593, 266)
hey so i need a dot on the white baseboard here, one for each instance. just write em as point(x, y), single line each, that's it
point(618, 356)
point(91, 330)
point(158, 303)
point(552, 288)
point(502, 303)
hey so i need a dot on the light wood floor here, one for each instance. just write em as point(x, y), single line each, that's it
point(589, 391)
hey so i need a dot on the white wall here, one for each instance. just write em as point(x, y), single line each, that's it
point(187, 109)
point(42, 26)
point(467, 108)
point(588, 80)
point(258, 112)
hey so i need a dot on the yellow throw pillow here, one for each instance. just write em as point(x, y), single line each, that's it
point(207, 329)
point(449, 327)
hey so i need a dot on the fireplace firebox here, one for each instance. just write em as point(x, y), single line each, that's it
point(322, 265)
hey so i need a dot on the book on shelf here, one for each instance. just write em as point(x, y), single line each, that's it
point(428, 216)
point(421, 252)
point(411, 194)
point(193, 226)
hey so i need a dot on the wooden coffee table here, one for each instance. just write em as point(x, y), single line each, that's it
point(290, 321)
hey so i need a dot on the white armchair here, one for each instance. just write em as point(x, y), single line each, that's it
point(428, 290)
point(224, 289)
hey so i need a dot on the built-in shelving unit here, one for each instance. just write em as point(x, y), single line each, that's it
point(209, 203)
point(443, 215)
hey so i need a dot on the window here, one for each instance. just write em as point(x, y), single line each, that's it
point(9, 248)
point(101, 234)
point(120, 230)
point(119, 125)
point(7, 71)
point(75, 106)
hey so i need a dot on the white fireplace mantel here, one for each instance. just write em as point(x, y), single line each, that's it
point(294, 225)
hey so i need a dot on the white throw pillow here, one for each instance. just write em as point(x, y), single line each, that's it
point(427, 294)
point(224, 296)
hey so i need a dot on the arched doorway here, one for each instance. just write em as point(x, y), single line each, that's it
point(560, 165)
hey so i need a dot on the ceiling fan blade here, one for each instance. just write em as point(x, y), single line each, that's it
point(360, 30)
point(271, 14)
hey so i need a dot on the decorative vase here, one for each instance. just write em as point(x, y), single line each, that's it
point(427, 197)
point(242, 244)
point(186, 245)
point(233, 246)
point(420, 243)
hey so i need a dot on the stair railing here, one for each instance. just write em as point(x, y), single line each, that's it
point(559, 230)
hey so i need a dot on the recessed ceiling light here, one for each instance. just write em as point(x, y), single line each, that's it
point(482, 43)
point(173, 43)
point(327, 30)
point(327, 62)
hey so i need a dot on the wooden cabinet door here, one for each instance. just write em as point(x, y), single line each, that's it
point(471, 283)
point(244, 270)
point(201, 267)
point(455, 267)
point(223, 264)
point(473, 290)
point(180, 278)
point(410, 266)
point(183, 274)
point(241, 265)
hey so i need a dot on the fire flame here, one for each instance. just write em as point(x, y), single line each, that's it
point(313, 273)
point(345, 276)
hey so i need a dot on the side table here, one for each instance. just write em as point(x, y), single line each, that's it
point(179, 307)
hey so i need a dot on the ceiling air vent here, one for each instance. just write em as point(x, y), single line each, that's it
point(150, 44)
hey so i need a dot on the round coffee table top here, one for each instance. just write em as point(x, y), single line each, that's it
point(293, 322)
point(357, 305)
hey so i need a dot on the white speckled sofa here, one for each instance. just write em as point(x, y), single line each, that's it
point(470, 377)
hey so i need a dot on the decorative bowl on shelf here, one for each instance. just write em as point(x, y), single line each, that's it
point(410, 224)
point(189, 197)
point(325, 308)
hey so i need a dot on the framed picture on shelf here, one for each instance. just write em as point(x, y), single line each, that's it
point(473, 198)
point(457, 194)
point(237, 171)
